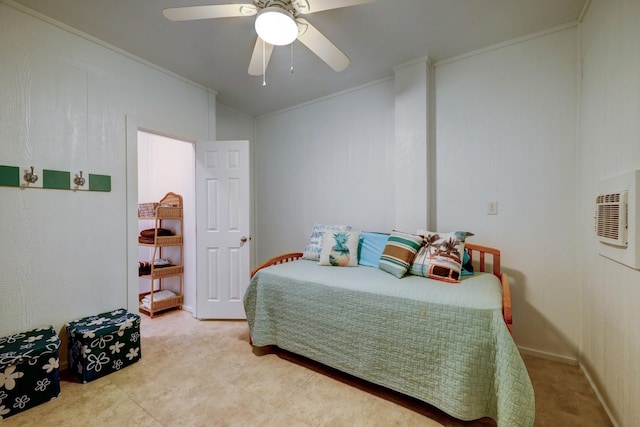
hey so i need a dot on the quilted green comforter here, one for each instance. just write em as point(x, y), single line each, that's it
point(441, 343)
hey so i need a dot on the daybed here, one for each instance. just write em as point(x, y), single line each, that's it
point(447, 345)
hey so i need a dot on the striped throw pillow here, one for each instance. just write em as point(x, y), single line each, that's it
point(399, 253)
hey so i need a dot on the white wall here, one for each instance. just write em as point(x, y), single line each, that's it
point(609, 146)
point(411, 152)
point(232, 125)
point(505, 132)
point(63, 102)
point(330, 161)
point(168, 165)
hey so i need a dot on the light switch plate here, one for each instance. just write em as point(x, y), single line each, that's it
point(492, 207)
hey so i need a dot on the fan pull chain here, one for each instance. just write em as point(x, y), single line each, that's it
point(291, 58)
point(264, 66)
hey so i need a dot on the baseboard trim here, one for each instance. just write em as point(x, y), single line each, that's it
point(586, 374)
point(583, 369)
point(550, 356)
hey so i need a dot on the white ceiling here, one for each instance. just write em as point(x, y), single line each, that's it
point(378, 36)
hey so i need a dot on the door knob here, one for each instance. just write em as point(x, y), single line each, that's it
point(244, 240)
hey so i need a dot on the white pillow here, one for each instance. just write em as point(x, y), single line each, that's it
point(314, 245)
point(340, 248)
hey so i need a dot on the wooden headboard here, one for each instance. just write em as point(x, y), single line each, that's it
point(291, 256)
point(482, 251)
point(481, 260)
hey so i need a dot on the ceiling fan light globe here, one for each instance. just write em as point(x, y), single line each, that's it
point(276, 26)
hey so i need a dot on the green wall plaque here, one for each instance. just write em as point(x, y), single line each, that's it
point(10, 176)
point(56, 179)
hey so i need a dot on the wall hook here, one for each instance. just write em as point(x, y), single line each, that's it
point(79, 180)
point(30, 177)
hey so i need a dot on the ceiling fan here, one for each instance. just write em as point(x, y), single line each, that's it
point(278, 23)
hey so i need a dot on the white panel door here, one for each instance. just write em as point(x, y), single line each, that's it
point(222, 228)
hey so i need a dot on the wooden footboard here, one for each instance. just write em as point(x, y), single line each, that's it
point(481, 261)
point(504, 279)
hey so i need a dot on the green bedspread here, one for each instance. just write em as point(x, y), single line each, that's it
point(441, 343)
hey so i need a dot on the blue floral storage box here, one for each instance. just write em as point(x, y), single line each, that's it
point(29, 373)
point(104, 343)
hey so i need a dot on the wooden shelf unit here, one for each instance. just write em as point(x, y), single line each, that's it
point(168, 209)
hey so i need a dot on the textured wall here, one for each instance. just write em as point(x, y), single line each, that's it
point(63, 105)
point(609, 146)
point(505, 132)
point(330, 161)
point(411, 137)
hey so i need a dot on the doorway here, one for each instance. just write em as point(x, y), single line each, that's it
point(164, 165)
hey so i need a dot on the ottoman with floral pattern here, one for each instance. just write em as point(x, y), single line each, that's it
point(29, 373)
point(102, 344)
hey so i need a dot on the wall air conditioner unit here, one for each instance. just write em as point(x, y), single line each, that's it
point(617, 219)
point(611, 218)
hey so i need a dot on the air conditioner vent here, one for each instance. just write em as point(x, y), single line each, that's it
point(611, 218)
point(609, 198)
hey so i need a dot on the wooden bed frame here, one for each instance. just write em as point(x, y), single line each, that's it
point(471, 247)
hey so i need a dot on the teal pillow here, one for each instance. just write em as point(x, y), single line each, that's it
point(467, 267)
point(370, 247)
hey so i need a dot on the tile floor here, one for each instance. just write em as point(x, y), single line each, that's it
point(205, 373)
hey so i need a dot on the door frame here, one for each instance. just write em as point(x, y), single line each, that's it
point(133, 124)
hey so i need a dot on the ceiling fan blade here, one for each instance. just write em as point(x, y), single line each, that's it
point(191, 13)
point(255, 65)
point(321, 46)
point(311, 6)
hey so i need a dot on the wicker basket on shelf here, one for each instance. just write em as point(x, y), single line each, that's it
point(162, 304)
point(174, 270)
point(169, 212)
point(169, 240)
